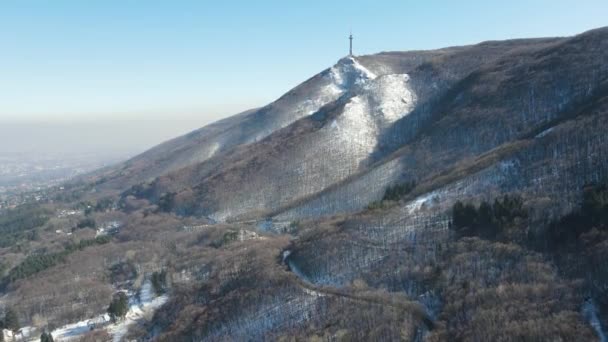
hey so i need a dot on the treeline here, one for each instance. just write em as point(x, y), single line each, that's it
point(397, 191)
point(593, 214)
point(17, 224)
point(488, 220)
point(393, 193)
point(39, 262)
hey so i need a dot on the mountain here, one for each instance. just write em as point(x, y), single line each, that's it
point(523, 117)
point(458, 194)
point(242, 129)
point(334, 143)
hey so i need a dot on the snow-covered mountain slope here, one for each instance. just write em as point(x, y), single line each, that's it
point(334, 144)
point(524, 118)
point(495, 105)
point(375, 112)
point(244, 128)
point(344, 135)
point(225, 135)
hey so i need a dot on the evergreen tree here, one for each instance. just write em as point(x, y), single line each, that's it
point(11, 320)
point(464, 218)
point(46, 337)
point(119, 306)
point(159, 282)
point(595, 205)
point(166, 201)
point(486, 223)
point(458, 219)
point(592, 214)
point(397, 191)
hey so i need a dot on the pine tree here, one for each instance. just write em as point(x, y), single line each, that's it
point(11, 320)
point(46, 337)
point(485, 221)
point(119, 306)
point(159, 282)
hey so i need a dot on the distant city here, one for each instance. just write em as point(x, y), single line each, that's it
point(35, 156)
point(28, 178)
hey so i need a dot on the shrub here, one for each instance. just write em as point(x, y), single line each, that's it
point(375, 205)
point(294, 225)
point(122, 272)
point(87, 222)
point(104, 204)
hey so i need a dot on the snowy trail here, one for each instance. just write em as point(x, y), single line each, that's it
point(414, 307)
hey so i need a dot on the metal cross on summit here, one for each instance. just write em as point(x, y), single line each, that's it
point(351, 44)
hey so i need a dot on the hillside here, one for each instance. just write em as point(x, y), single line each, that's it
point(394, 122)
point(458, 194)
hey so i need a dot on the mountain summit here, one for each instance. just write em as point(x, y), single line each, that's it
point(335, 142)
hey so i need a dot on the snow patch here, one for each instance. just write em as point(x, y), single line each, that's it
point(361, 69)
point(393, 96)
point(139, 309)
point(375, 104)
point(590, 311)
point(348, 73)
point(334, 125)
point(76, 330)
point(313, 293)
point(544, 133)
point(419, 202)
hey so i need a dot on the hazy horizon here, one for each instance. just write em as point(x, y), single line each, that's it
point(112, 137)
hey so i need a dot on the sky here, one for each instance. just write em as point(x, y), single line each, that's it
point(187, 63)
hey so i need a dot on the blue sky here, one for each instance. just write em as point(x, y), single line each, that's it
point(107, 59)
